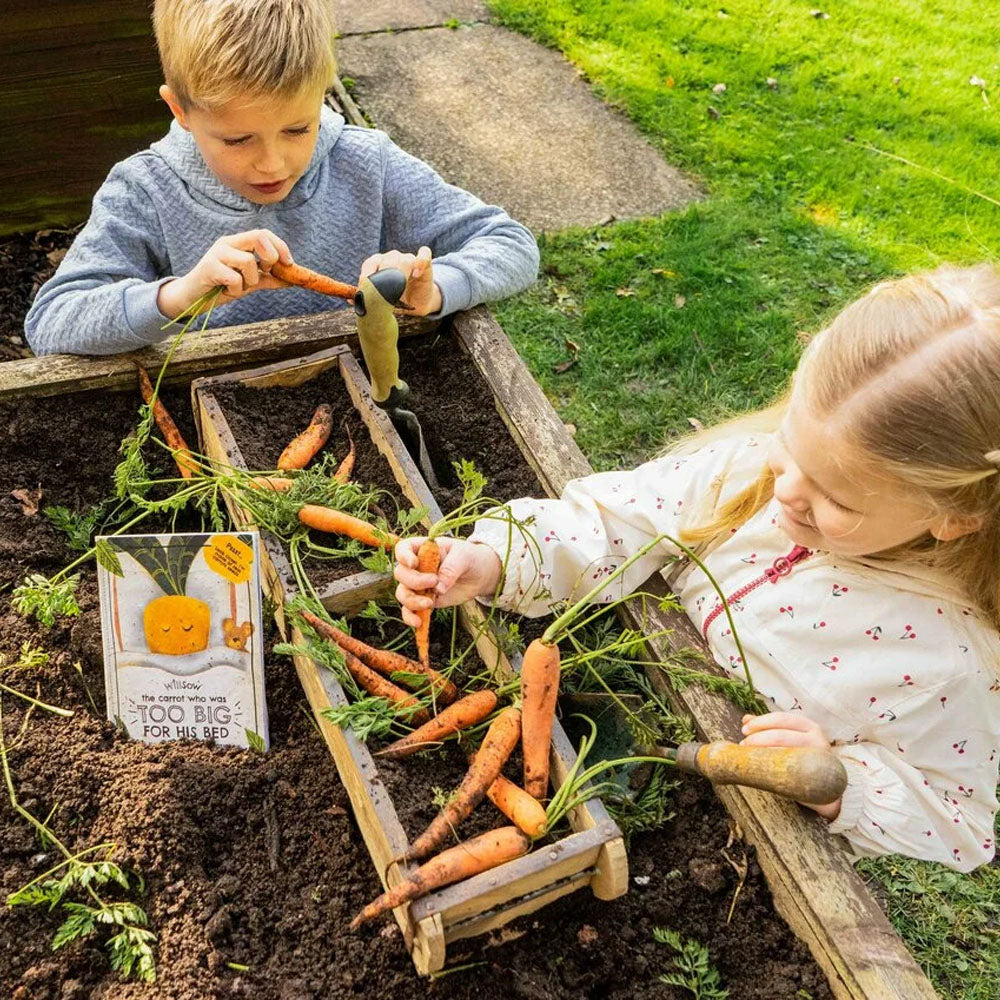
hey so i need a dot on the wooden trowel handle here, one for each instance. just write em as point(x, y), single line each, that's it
point(806, 774)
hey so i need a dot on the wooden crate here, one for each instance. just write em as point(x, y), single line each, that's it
point(814, 886)
point(592, 855)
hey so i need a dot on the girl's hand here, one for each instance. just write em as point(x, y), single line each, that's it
point(240, 263)
point(421, 296)
point(467, 570)
point(789, 729)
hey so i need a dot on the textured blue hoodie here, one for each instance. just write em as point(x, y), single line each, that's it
point(160, 210)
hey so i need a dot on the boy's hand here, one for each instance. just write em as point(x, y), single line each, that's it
point(467, 570)
point(239, 263)
point(421, 297)
point(789, 729)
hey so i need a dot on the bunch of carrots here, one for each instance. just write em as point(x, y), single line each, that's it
point(372, 668)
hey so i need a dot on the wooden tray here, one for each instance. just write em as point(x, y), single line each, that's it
point(592, 855)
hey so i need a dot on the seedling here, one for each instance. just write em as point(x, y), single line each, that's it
point(693, 969)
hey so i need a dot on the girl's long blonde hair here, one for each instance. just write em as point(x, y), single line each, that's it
point(911, 374)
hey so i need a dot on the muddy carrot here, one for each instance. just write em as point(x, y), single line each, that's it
point(539, 690)
point(304, 277)
point(182, 454)
point(428, 561)
point(346, 467)
point(500, 740)
point(303, 447)
point(376, 684)
point(476, 855)
point(522, 809)
point(385, 661)
point(337, 522)
point(465, 712)
point(276, 483)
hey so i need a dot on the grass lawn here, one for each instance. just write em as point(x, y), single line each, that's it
point(699, 314)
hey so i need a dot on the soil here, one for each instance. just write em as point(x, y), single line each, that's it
point(253, 864)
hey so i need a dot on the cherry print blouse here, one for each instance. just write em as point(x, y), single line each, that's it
point(889, 661)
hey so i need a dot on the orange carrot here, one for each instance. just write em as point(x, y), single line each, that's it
point(302, 448)
point(500, 740)
point(376, 684)
point(476, 855)
point(465, 712)
point(337, 522)
point(346, 467)
point(522, 809)
point(276, 483)
point(304, 277)
point(539, 690)
point(182, 453)
point(428, 561)
point(385, 661)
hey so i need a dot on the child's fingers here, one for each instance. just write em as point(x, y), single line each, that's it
point(422, 264)
point(411, 601)
point(230, 279)
point(456, 562)
point(779, 738)
point(406, 551)
point(414, 580)
point(242, 261)
point(778, 720)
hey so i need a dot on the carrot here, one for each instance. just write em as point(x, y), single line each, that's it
point(522, 809)
point(539, 690)
point(346, 467)
point(182, 453)
point(465, 712)
point(337, 522)
point(385, 661)
point(304, 277)
point(276, 483)
point(376, 684)
point(500, 740)
point(302, 448)
point(462, 861)
point(428, 561)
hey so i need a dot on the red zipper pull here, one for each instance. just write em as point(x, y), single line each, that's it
point(782, 566)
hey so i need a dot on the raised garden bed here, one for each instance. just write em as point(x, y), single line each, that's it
point(222, 887)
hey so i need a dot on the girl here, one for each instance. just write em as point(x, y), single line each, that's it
point(855, 526)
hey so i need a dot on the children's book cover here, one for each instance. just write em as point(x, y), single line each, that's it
point(181, 624)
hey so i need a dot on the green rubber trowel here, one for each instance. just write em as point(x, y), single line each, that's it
point(378, 332)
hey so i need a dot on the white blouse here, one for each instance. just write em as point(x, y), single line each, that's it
point(898, 671)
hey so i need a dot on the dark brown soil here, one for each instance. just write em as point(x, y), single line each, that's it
point(27, 261)
point(264, 420)
point(253, 864)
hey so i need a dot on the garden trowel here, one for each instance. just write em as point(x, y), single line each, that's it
point(804, 774)
point(378, 332)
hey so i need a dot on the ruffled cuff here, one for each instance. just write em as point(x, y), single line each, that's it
point(853, 800)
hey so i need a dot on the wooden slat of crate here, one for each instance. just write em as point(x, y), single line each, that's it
point(593, 855)
point(809, 873)
point(222, 349)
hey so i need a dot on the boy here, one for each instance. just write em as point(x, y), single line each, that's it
point(253, 168)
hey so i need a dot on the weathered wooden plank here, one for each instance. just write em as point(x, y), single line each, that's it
point(507, 883)
point(813, 884)
point(219, 350)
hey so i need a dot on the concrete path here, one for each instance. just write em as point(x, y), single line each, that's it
point(501, 116)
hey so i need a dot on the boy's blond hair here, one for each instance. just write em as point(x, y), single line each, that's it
point(214, 51)
point(910, 374)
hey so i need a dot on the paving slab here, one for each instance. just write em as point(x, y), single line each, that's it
point(356, 16)
point(513, 122)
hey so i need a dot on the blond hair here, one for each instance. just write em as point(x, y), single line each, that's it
point(214, 51)
point(910, 374)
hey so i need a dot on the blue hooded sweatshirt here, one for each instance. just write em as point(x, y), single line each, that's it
point(160, 210)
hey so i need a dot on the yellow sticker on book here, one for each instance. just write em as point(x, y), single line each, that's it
point(230, 558)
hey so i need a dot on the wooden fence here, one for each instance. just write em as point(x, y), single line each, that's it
point(78, 92)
